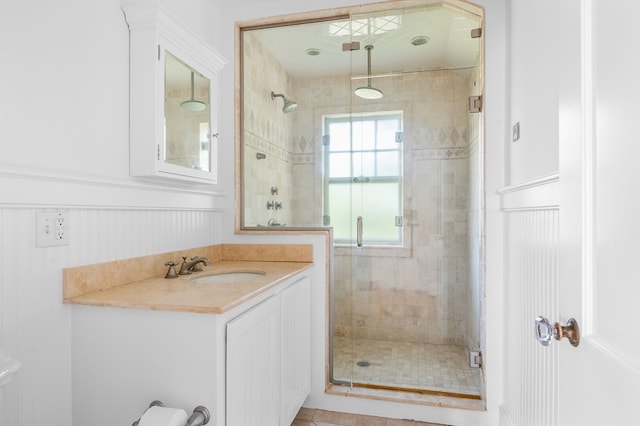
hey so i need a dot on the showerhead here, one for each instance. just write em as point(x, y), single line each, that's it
point(368, 92)
point(288, 106)
point(192, 105)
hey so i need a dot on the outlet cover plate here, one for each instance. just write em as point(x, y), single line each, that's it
point(51, 229)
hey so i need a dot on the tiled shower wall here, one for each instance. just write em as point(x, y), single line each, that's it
point(266, 131)
point(423, 291)
point(35, 325)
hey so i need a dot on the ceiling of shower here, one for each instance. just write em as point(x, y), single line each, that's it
point(448, 30)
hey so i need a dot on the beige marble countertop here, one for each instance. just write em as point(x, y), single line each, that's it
point(139, 282)
point(179, 294)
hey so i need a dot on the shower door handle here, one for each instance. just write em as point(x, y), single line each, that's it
point(359, 231)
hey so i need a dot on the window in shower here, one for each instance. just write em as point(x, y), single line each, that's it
point(363, 173)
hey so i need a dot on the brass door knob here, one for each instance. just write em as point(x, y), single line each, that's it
point(545, 331)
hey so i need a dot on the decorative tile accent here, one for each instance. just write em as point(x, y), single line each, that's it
point(439, 154)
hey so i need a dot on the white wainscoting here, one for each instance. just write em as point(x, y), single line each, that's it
point(106, 220)
point(531, 289)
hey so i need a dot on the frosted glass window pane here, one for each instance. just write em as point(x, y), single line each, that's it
point(388, 163)
point(339, 165)
point(387, 134)
point(377, 203)
point(340, 136)
point(380, 207)
point(363, 164)
point(364, 135)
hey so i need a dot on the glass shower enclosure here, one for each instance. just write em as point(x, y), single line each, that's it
point(406, 292)
point(385, 147)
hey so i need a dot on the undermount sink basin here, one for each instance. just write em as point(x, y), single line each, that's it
point(228, 277)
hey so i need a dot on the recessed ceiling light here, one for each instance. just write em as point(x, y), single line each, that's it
point(313, 51)
point(419, 40)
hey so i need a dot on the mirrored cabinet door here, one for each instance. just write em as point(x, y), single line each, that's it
point(187, 116)
point(173, 99)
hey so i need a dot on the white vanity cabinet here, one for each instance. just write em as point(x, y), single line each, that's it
point(249, 365)
point(268, 359)
point(173, 99)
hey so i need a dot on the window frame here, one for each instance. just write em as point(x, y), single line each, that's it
point(397, 179)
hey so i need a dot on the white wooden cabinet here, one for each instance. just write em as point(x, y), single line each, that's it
point(250, 365)
point(295, 349)
point(268, 359)
point(167, 61)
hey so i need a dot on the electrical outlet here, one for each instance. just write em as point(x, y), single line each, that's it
point(51, 229)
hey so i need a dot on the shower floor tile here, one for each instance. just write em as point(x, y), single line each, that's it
point(406, 365)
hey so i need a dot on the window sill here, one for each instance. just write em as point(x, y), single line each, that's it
point(372, 250)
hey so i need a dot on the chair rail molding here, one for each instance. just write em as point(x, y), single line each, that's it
point(537, 194)
point(26, 187)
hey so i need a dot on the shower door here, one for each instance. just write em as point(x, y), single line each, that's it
point(402, 191)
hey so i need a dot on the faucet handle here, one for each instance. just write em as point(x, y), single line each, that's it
point(171, 273)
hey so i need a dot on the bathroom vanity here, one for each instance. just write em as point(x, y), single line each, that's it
point(239, 346)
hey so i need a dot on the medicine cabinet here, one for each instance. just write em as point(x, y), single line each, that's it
point(173, 99)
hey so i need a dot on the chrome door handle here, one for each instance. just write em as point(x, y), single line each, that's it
point(359, 231)
point(545, 331)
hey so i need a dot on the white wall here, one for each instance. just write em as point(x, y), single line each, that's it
point(533, 47)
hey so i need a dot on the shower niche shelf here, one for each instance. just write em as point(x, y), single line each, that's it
point(173, 99)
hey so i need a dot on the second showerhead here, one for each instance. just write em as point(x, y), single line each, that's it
point(288, 106)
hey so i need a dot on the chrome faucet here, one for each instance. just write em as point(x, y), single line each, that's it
point(193, 265)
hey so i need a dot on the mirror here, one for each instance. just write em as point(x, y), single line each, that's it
point(424, 59)
point(187, 116)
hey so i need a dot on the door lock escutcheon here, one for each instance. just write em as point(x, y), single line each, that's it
point(545, 331)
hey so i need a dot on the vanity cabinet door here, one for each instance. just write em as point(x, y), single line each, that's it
point(253, 367)
point(295, 352)
point(269, 359)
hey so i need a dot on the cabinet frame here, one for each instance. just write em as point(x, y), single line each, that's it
point(153, 32)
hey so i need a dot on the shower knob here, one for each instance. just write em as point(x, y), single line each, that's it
point(545, 331)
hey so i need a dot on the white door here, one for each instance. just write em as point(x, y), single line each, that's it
point(599, 380)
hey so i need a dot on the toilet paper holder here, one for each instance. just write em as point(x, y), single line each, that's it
point(199, 417)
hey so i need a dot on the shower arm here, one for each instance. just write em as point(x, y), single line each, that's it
point(369, 65)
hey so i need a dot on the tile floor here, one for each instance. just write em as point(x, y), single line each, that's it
point(411, 365)
point(313, 417)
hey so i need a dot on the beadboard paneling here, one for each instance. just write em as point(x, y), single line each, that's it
point(531, 289)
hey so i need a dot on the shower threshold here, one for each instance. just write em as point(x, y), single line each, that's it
point(416, 390)
point(423, 397)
